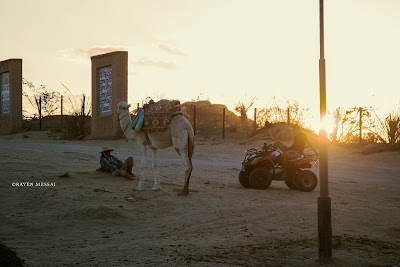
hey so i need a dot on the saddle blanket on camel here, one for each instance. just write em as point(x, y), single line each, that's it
point(156, 116)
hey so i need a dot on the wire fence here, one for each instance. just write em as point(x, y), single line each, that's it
point(356, 125)
point(43, 112)
point(211, 120)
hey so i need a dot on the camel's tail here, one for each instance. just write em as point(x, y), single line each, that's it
point(190, 142)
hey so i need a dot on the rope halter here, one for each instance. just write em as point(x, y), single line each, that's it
point(127, 114)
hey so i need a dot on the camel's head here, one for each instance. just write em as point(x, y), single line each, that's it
point(121, 106)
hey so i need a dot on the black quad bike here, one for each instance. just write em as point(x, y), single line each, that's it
point(260, 167)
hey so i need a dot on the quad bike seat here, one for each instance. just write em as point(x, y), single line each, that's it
point(296, 159)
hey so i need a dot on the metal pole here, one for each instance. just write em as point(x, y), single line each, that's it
point(324, 201)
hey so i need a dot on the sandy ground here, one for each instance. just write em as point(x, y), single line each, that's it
point(93, 219)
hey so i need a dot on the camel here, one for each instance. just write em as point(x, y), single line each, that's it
point(179, 134)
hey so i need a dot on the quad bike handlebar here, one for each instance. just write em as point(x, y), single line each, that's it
point(251, 151)
point(268, 147)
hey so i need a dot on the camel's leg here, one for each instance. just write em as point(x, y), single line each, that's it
point(143, 166)
point(188, 171)
point(155, 166)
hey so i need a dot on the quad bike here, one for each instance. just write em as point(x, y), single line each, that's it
point(260, 167)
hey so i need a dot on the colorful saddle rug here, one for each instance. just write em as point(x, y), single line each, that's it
point(158, 115)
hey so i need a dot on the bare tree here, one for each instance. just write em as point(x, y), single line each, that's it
point(43, 100)
point(337, 118)
point(354, 121)
point(242, 108)
point(78, 121)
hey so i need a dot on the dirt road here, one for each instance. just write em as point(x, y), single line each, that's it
point(93, 219)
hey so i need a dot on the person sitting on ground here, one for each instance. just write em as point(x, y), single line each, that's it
point(296, 149)
point(113, 165)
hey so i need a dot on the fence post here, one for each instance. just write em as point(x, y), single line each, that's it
point(223, 123)
point(360, 124)
point(255, 120)
point(62, 101)
point(194, 119)
point(40, 113)
point(83, 105)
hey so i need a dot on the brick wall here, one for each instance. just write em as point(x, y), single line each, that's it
point(11, 121)
point(105, 124)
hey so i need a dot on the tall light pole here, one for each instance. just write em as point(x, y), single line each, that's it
point(324, 200)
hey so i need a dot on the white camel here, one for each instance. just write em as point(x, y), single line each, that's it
point(179, 134)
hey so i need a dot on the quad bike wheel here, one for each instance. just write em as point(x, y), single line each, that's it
point(290, 179)
point(260, 178)
point(244, 179)
point(291, 183)
point(307, 181)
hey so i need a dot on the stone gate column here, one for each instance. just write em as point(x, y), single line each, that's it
point(109, 87)
point(10, 96)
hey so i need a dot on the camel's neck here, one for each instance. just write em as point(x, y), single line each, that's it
point(125, 121)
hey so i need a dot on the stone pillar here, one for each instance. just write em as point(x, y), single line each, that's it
point(109, 87)
point(10, 96)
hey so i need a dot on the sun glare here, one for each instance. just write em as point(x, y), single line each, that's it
point(328, 124)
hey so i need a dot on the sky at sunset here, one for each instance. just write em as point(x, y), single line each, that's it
point(221, 50)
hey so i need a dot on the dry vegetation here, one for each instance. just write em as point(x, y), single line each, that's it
point(353, 125)
point(376, 134)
